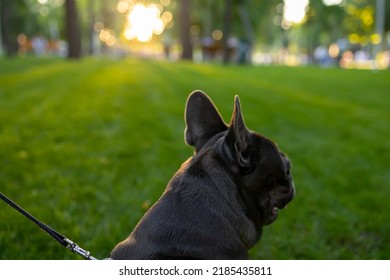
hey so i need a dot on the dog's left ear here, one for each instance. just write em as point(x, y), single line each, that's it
point(238, 138)
point(202, 119)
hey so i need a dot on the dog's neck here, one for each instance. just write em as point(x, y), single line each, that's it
point(249, 227)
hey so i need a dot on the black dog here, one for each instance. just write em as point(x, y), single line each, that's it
point(218, 201)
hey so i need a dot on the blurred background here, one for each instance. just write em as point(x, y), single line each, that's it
point(92, 97)
point(345, 33)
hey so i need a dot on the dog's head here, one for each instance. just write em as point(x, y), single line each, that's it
point(261, 171)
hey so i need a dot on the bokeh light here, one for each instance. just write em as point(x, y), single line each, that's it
point(107, 36)
point(332, 2)
point(334, 50)
point(123, 6)
point(217, 34)
point(165, 2)
point(376, 39)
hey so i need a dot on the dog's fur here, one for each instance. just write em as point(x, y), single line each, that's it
point(216, 204)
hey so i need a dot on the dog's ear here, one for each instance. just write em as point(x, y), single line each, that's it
point(202, 119)
point(238, 138)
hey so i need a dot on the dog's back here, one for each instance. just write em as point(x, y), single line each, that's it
point(190, 218)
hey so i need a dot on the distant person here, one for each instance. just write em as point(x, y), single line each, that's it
point(321, 55)
point(167, 43)
point(207, 45)
point(243, 47)
point(39, 45)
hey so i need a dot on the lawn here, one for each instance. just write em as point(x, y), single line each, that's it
point(87, 146)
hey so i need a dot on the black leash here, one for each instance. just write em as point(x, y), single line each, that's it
point(69, 244)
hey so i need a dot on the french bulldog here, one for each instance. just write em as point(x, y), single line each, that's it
point(217, 203)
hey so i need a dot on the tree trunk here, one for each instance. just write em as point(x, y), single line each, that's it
point(227, 20)
point(380, 25)
point(91, 29)
point(185, 34)
point(1, 28)
point(72, 29)
point(8, 40)
point(248, 28)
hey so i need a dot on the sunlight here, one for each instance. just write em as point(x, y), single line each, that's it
point(143, 22)
point(294, 11)
point(332, 2)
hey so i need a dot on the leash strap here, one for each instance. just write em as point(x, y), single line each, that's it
point(69, 244)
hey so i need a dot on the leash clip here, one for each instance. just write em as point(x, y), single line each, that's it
point(57, 236)
point(78, 250)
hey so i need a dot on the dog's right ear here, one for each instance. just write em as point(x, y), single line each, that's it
point(238, 138)
point(202, 119)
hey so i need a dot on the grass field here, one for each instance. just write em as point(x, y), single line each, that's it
point(88, 146)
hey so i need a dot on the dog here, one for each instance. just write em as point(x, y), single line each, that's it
point(217, 203)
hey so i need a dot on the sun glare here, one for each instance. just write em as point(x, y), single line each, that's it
point(143, 22)
point(332, 2)
point(294, 11)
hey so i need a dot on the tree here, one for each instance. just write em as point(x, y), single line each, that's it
point(72, 29)
point(13, 16)
point(7, 40)
point(227, 21)
point(380, 24)
point(185, 25)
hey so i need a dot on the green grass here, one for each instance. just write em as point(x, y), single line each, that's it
point(87, 146)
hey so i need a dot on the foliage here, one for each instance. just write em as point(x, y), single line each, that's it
point(88, 146)
point(323, 24)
